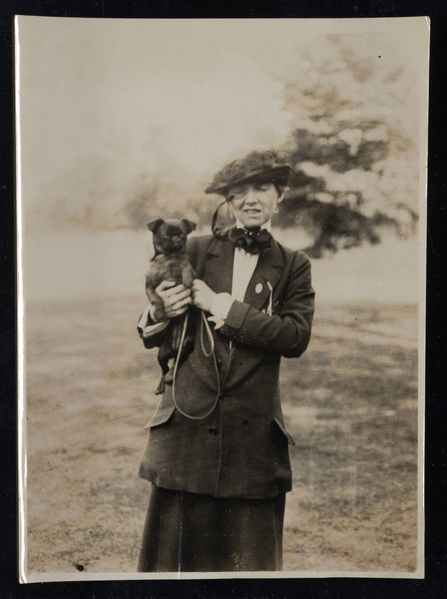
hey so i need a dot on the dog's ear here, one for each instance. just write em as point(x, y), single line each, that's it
point(189, 225)
point(154, 225)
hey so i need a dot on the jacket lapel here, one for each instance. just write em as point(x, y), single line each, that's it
point(218, 275)
point(268, 271)
point(219, 272)
point(219, 266)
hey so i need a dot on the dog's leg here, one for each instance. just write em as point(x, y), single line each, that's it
point(175, 338)
point(188, 275)
point(159, 307)
point(161, 386)
point(164, 355)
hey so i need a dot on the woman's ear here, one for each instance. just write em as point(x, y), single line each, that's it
point(281, 190)
point(282, 193)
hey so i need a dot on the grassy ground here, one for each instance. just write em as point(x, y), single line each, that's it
point(350, 402)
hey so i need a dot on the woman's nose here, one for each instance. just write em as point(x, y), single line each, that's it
point(251, 197)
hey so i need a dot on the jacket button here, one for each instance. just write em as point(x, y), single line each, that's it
point(245, 423)
point(213, 432)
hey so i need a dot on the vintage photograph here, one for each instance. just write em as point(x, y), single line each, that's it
point(221, 230)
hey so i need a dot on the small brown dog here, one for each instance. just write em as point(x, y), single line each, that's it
point(170, 263)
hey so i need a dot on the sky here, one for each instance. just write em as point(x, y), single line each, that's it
point(111, 108)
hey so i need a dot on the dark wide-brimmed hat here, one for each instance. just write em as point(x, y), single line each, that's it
point(267, 165)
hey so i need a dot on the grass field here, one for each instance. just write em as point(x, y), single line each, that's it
point(350, 403)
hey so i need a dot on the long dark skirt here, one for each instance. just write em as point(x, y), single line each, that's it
point(188, 532)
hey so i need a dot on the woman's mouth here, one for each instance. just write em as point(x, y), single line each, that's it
point(252, 211)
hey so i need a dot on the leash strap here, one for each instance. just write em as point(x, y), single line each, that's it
point(208, 355)
point(204, 324)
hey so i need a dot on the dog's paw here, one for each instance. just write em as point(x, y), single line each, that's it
point(187, 280)
point(161, 386)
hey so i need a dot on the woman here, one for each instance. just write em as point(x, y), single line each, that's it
point(217, 453)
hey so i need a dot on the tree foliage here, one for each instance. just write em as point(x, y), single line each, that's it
point(354, 151)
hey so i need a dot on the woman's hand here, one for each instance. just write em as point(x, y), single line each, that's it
point(202, 295)
point(176, 298)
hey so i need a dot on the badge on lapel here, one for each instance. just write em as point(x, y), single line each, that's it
point(269, 309)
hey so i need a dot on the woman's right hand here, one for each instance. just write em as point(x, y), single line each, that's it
point(176, 298)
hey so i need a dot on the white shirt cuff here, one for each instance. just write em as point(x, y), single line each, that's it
point(143, 326)
point(144, 317)
point(221, 305)
point(220, 308)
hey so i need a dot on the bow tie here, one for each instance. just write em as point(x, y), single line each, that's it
point(253, 241)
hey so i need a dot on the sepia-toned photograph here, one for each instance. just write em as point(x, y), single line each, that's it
point(221, 232)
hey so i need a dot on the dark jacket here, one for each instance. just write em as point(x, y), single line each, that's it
point(241, 448)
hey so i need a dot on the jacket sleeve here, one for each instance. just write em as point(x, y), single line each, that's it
point(152, 334)
point(288, 333)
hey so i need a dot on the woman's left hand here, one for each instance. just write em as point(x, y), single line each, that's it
point(202, 296)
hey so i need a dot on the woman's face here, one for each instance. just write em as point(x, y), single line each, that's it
point(254, 203)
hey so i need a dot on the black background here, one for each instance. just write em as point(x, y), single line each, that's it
point(435, 583)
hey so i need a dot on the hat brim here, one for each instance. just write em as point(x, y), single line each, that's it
point(276, 174)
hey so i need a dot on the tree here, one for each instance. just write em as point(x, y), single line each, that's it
point(354, 151)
